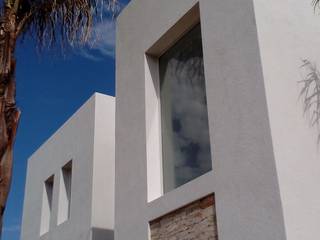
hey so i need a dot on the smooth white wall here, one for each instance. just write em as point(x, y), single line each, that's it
point(289, 31)
point(77, 140)
point(244, 177)
point(74, 140)
point(103, 165)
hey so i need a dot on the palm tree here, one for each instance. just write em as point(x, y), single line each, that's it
point(49, 22)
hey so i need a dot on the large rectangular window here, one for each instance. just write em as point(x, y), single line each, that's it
point(46, 205)
point(65, 193)
point(184, 118)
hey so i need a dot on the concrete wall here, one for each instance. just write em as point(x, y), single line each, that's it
point(77, 140)
point(244, 177)
point(103, 168)
point(289, 31)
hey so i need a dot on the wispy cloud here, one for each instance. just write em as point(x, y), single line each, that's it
point(188, 144)
point(101, 43)
point(103, 38)
point(103, 35)
point(13, 228)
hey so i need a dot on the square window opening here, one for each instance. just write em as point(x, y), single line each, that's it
point(65, 189)
point(46, 205)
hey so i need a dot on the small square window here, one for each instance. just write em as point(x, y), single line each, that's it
point(65, 193)
point(46, 205)
point(186, 152)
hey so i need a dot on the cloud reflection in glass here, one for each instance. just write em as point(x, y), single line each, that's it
point(184, 116)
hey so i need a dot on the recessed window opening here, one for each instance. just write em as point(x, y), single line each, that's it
point(65, 193)
point(177, 131)
point(46, 205)
point(186, 152)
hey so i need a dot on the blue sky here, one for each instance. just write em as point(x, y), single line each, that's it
point(50, 88)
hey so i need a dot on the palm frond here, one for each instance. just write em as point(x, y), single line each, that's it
point(68, 21)
point(316, 4)
point(310, 94)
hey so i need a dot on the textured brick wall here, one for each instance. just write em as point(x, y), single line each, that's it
point(196, 221)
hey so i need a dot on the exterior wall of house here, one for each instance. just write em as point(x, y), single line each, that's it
point(244, 178)
point(103, 168)
point(289, 31)
point(76, 140)
point(196, 221)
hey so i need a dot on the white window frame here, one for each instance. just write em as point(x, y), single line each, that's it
point(152, 99)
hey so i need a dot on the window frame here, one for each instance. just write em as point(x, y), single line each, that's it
point(155, 181)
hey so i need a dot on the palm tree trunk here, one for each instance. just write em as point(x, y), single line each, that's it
point(9, 113)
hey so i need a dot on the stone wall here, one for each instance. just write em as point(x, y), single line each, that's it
point(196, 221)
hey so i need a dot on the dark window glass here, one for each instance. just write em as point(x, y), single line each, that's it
point(184, 116)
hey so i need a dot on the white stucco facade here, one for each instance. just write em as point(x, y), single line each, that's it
point(244, 176)
point(265, 158)
point(86, 141)
point(289, 31)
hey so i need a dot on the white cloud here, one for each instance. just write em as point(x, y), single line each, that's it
point(104, 38)
point(102, 42)
point(191, 145)
point(13, 228)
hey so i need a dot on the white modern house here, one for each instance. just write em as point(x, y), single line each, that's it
point(211, 139)
point(70, 182)
point(208, 139)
